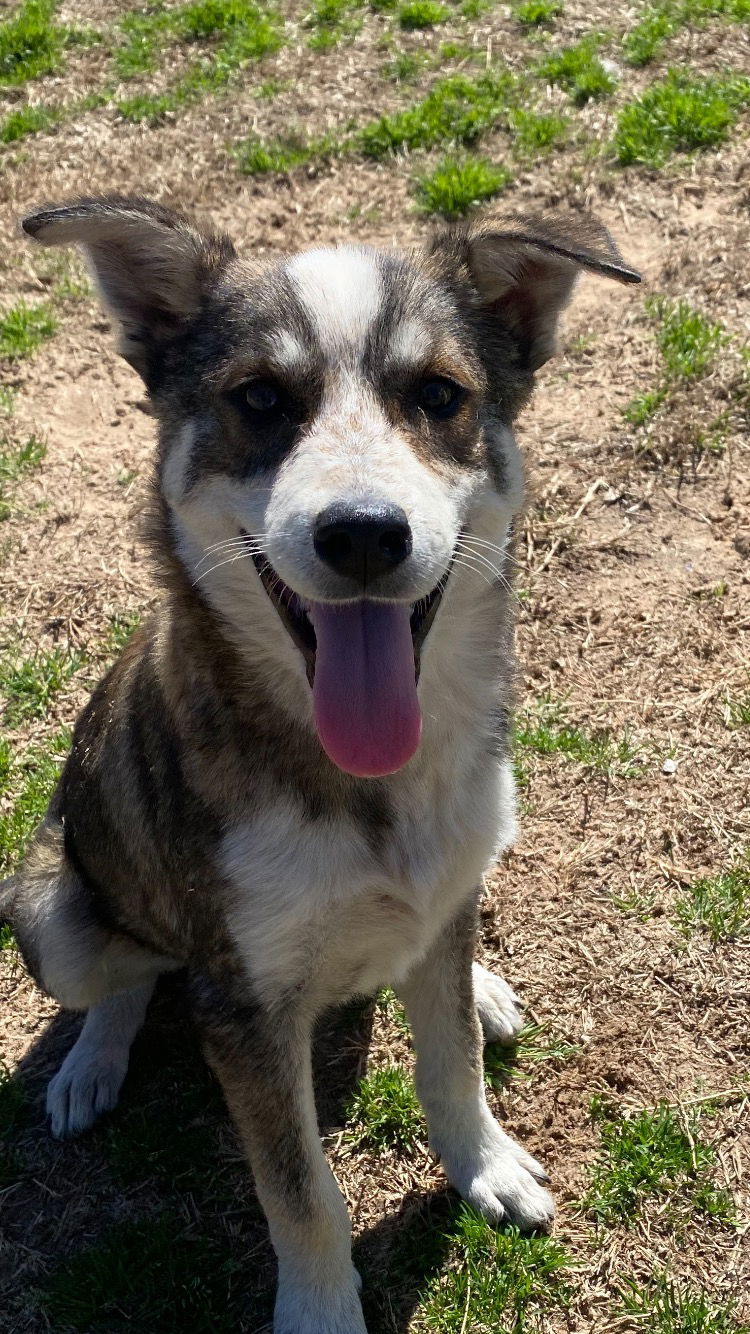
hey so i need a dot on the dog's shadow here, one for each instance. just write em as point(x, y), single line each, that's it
point(150, 1221)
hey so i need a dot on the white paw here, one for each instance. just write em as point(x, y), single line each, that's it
point(87, 1084)
point(497, 1005)
point(318, 1309)
point(497, 1177)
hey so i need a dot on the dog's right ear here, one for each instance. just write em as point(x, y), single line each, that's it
point(150, 264)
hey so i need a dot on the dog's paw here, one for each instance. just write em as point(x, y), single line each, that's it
point(313, 1309)
point(498, 1007)
point(87, 1084)
point(499, 1179)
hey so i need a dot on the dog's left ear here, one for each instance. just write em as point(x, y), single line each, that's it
point(524, 269)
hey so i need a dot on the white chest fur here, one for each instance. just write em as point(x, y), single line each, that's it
point(321, 908)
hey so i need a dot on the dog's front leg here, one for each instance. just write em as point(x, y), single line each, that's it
point(262, 1059)
point(491, 1171)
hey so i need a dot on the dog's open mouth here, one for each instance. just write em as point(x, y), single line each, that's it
point(362, 660)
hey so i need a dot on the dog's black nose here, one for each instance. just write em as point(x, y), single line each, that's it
point(362, 541)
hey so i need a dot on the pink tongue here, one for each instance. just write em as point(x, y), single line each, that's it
point(364, 695)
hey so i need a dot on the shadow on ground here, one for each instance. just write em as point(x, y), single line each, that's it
point(150, 1222)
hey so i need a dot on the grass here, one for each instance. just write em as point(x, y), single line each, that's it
point(737, 711)
point(497, 1281)
point(653, 1153)
point(151, 1274)
point(688, 342)
point(30, 686)
point(254, 156)
point(25, 790)
point(458, 184)
point(237, 32)
point(718, 905)
point(385, 1113)
point(457, 109)
point(333, 21)
point(405, 66)
point(122, 625)
point(681, 114)
point(548, 733)
point(30, 43)
point(24, 327)
point(535, 13)
point(422, 14)
point(518, 1059)
point(644, 42)
point(27, 120)
point(644, 406)
point(579, 71)
point(661, 1307)
point(534, 132)
point(16, 461)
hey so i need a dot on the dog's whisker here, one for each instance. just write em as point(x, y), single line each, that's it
point(240, 555)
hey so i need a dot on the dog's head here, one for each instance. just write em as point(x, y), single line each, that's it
point(336, 446)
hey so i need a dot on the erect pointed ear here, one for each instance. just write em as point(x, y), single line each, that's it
point(524, 269)
point(151, 265)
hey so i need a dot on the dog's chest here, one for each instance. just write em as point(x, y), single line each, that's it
point(323, 906)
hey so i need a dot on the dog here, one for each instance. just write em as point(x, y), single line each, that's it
point(295, 776)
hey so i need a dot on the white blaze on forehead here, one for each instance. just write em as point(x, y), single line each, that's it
point(287, 349)
point(341, 291)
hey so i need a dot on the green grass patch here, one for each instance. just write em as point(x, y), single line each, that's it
point(498, 1281)
point(653, 1154)
point(644, 41)
point(385, 1113)
point(142, 35)
point(31, 684)
point(536, 13)
point(458, 184)
point(533, 1046)
point(579, 71)
point(681, 114)
point(24, 327)
point(255, 157)
point(718, 905)
point(333, 21)
point(26, 786)
point(30, 43)
point(535, 132)
point(644, 406)
point(457, 109)
point(151, 1275)
point(27, 120)
point(661, 1307)
point(422, 14)
point(737, 711)
point(548, 733)
point(16, 462)
point(122, 626)
point(688, 342)
point(404, 67)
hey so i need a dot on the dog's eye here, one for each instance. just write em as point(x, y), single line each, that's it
point(439, 397)
point(261, 395)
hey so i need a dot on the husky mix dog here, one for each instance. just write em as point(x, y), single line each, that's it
point(294, 777)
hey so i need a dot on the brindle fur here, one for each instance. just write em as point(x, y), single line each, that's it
point(190, 734)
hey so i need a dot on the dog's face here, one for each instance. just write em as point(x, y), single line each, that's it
point(336, 432)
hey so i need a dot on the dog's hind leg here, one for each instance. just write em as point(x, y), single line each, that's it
point(85, 964)
point(498, 1006)
point(90, 1078)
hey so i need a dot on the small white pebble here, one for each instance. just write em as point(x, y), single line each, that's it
point(669, 767)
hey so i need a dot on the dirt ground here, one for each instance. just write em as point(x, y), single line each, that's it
point(634, 610)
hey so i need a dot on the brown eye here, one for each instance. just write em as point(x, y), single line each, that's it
point(261, 396)
point(440, 398)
